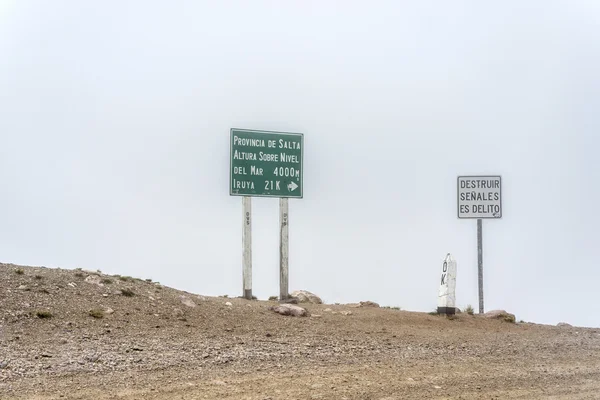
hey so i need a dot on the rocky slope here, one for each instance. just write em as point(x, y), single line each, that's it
point(81, 334)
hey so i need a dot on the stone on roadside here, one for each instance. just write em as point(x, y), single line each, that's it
point(289, 309)
point(304, 296)
point(178, 312)
point(95, 280)
point(187, 302)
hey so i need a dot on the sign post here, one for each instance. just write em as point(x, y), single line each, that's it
point(247, 246)
point(266, 164)
point(480, 262)
point(283, 249)
point(479, 197)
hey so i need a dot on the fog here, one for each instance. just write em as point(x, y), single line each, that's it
point(114, 145)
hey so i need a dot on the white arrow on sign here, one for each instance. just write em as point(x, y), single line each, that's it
point(292, 186)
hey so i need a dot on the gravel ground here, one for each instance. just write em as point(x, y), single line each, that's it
point(161, 343)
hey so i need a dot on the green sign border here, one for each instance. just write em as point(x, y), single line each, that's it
point(301, 196)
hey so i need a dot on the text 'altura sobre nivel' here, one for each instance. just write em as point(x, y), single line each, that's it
point(281, 157)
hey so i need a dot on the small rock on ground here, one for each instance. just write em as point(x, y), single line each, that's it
point(289, 309)
point(187, 302)
point(95, 280)
point(304, 296)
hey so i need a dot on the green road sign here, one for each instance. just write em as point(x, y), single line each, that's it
point(266, 164)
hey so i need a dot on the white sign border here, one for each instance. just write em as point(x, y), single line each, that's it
point(267, 132)
point(458, 195)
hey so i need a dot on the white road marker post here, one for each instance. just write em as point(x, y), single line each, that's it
point(247, 247)
point(447, 292)
point(283, 249)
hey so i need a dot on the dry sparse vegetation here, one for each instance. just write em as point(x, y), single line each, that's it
point(127, 292)
point(19, 271)
point(96, 313)
point(469, 310)
point(508, 318)
point(43, 314)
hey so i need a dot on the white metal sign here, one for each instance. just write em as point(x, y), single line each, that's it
point(479, 196)
point(447, 293)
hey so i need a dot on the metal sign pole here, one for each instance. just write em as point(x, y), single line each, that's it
point(480, 262)
point(283, 249)
point(247, 247)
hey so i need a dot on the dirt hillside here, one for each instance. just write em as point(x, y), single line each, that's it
point(73, 334)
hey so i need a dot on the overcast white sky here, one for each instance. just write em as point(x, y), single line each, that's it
point(114, 144)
